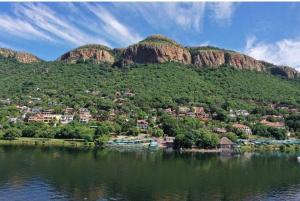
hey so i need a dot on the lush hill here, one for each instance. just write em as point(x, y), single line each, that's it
point(154, 85)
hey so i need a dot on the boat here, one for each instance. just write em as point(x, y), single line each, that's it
point(298, 159)
point(153, 145)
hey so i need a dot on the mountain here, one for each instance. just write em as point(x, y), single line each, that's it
point(89, 53)
point(160, 49)
point(157, 49)
point(22, 57)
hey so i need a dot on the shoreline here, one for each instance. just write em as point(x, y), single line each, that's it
point(78, 144)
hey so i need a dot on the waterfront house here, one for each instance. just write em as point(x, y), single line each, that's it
point(243, 128)
point(142, 124)
point(226, 144)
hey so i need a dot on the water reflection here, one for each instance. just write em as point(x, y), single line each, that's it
point(29, 173)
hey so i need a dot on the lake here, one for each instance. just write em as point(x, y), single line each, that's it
point(35, 173)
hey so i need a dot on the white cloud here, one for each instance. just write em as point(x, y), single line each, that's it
point(282, 52)
point(186, 16)
point(222, 12)
point(113, 27)
point(51, 23)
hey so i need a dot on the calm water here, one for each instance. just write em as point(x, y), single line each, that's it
point(29, 173)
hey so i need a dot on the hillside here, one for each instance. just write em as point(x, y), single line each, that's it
point(154, 85)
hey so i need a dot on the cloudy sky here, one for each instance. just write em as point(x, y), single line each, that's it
point(268, 31)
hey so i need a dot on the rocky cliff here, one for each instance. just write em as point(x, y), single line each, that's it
point(157, 49)
point(90, 53)
point(211, 57)
point(21, 57)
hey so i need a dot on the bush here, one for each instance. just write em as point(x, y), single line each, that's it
point(12, 133)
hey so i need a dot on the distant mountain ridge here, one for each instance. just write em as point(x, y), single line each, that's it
point(22, 57)
point(160, 49)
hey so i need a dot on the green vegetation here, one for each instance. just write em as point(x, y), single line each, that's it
point(143, 92)
point(158, 40)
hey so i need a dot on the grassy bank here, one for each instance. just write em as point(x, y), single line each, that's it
point(48, 142)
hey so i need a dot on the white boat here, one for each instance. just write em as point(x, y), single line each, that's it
point(298, 159)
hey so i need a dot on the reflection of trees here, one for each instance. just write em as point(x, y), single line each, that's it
point(148, 176)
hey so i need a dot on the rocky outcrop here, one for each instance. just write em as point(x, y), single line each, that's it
point(211, 57)
point(21, 57)
point(157, 49)
point(89, 53)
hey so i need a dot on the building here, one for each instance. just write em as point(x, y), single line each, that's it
point(273, 124)
point(200, 113)
point(13, 120)
point(226, 144)
point(46, 118)
point(142, 124)
point(243, 128)
point(220, 130)
point(65, 119)
point(51, 118)
point(84, 115)
point(69, 110)
point(183, 110)
point(48, 111)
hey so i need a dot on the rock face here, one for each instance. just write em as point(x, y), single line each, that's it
point(91, 53)
point(210, 57)
point(21, 57)
point(157, 49)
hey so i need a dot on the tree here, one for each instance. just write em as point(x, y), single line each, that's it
point(12, 133)
point(231, 136)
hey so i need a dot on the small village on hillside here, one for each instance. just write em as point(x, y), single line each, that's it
point(115, 127)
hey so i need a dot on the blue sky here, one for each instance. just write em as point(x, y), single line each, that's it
point(267, 31)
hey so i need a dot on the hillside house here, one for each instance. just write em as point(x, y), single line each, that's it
point(273, 124)
point(220, 130)
point(66, 119)
point(68, 110)
point(13, 120)
point(200, 113)
point(142, 124)
point(183, 110)
point(243, 128)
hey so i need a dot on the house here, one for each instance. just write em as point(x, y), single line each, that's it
point(273, 124)
point(235, 113)
point(226, 144)
point(35, 110)
point(65, 119)
point(129, 94)
point(183, 110)
point(13, 120)
point(170, 111)
point(68, 110)
point(84, 118)
point(46, 118)
point(243, 128)
point(220, 130)
point(190, 114)
point(142, 124)
point(200, 113)
point(51, 118)
point(48, 111)
point(36, 118)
